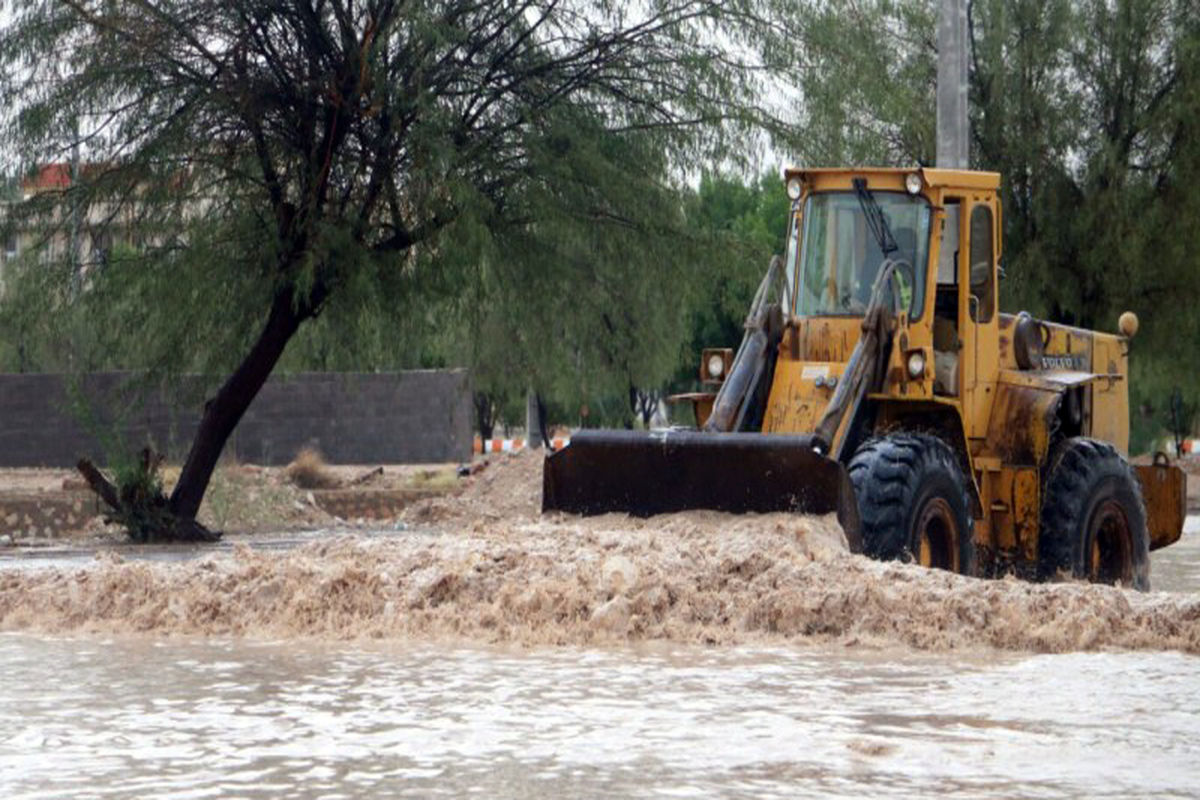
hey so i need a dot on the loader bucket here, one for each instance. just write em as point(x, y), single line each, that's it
point(658, 472)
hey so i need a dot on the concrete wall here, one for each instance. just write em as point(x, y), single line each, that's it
point(353, 418)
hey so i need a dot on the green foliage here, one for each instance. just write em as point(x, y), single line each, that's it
point(744, 226)
point(866, 72)
point(143, 511)
point(592, 299)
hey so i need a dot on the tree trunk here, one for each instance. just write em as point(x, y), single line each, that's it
point(543, 428)
point(140, 506)
point(485, 414)
point(223, 412)
point(535, 419)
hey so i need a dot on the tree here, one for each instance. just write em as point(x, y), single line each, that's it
point(282, 155)
point(867, 74)
point(743, 226)
point(593, 298)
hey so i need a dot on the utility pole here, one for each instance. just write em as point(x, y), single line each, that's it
point(953, 127)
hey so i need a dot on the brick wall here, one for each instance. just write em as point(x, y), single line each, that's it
point(353, 418)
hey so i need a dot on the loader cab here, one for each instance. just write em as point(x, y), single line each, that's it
point(944, 225)
point(834, 256)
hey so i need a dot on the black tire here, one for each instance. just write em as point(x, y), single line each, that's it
point(1093, 522)
point(913, 502)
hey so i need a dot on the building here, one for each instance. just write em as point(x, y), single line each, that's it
point(59, 232)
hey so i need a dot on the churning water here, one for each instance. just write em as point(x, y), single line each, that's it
point(128, 716)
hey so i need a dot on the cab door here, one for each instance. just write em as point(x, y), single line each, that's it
point(978, 320)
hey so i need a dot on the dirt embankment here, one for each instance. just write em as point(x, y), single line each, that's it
point(41, 507)
point(486, 566)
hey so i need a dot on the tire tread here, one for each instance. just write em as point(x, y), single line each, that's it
point(887, 473)
point(1075, 466)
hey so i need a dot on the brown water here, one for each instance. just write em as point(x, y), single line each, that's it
point(832, 675)
point(129, 717)
point(485, 566)
point(1177, 568)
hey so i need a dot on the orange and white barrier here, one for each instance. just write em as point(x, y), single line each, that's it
point(513, 445)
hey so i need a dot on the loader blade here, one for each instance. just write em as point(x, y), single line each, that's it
point(658, 472)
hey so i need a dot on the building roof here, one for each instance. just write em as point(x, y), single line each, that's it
point(48, 176)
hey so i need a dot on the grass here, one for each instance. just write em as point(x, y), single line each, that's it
point(439, 480)
point(308, 470)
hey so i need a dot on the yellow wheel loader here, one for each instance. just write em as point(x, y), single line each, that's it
point(877, 379)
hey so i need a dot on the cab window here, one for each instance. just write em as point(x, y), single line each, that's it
point(981, 273)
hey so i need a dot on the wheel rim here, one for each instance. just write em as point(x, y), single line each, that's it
point(936, 533)
point(1110, 545)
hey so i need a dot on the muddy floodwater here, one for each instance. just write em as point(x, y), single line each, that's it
point(131, 717)
point(490, 652)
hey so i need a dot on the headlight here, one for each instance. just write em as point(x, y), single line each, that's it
point(916, 364)
point(794, 188)
point(912, 182)
point(716, 366)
